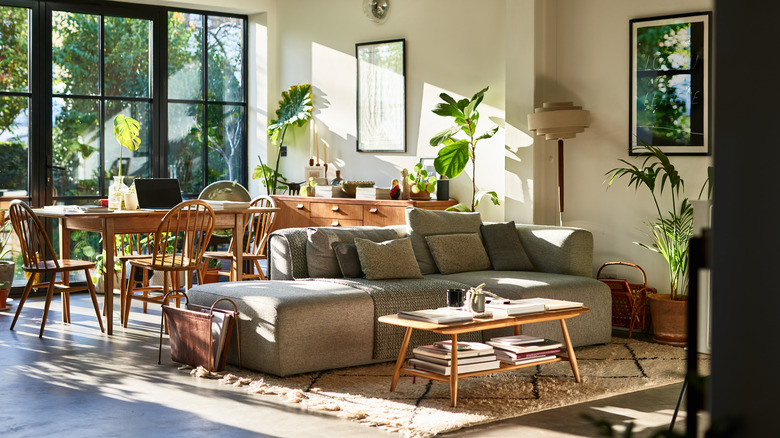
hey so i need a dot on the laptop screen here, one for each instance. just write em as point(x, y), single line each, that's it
point(157, 193)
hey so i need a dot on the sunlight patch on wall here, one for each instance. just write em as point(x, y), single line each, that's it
point(333, 80)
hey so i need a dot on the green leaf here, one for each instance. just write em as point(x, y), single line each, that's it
point(461, 207)
point(488, 134)
point(294, 109)
point(447, 98)
point(444, 135)
point(481, 194)
point(447, 110)
point(479, 95)
point(452, 159)
point(126, 131)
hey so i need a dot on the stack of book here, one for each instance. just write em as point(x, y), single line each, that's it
point(326, 191)
point(523, 349)
point(444, 315)
point(437, 357)
point(372, 193)
point(507, 308)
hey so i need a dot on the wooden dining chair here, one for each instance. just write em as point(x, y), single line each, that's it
point(179, 244)
point(40, 261)
point(129, 247)
point(257, 227)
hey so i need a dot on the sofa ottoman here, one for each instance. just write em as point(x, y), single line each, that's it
point(290, 327)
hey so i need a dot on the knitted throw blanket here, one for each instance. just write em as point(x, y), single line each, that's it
point(393, 296)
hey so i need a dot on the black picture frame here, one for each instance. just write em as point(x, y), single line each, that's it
point(381, 96)
point(670, 104)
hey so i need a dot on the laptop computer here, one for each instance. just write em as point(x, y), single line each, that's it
point(157, 193)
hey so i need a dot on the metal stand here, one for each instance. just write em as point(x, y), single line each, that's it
point(679, 401)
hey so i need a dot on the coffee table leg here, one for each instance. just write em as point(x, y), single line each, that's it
point(400, 361)
point(454, 373)
point(570, 351)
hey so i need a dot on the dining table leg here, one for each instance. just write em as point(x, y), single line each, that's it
point(238, 246)
point(109, 244)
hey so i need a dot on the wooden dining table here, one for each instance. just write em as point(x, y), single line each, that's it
point(110, 223)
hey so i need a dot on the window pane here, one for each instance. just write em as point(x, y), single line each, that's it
point(225, 141)
point(14, 55)
point(75, 143)
point(185, 56)
point(225, 44)
point(75, 53)
point(134, 163)
point(14, 145)
point(127, 56)
point(185, 146)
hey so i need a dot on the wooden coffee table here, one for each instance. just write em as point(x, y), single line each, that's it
point(477, 325)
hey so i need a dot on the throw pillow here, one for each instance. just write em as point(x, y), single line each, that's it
point(504, 248)
point(387, 260)
point(349, 261)
point(321, 260)
point(458, 253)
point(421, 223)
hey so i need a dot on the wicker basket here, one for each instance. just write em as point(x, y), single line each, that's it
point(630, 308)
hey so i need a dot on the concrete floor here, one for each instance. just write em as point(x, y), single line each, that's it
point(77, 381)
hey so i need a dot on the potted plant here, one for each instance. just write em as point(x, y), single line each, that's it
point(421, 185)
point(295, 109)
point(669, 234)
point(310, 187)
point(456, 153)
point(6, 266)
point(211, 275)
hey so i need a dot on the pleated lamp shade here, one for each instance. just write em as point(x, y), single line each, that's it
point(558, 120)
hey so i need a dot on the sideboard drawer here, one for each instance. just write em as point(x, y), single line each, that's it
point(337, 211)
point(334, 222)
point(383, 215)
point(292, 214)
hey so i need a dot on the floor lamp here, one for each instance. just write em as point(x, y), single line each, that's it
point(559, 120)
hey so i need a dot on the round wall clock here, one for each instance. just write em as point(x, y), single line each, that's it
point(376, 10)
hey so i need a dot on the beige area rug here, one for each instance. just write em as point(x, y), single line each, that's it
point(423, 408)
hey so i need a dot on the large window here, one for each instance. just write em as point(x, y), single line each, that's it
point(15, 99)
point(206, 104)
point(68, 69)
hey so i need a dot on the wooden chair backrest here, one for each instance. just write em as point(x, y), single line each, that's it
point(133, 244)
point(257, 226)
point(188, 226)
point(33, 240)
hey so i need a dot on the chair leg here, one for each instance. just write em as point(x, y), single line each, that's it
point(129, 296)
point(93, 295)
point(27, 289)
point(122, 292)
point(49, 295)
point(65, 298)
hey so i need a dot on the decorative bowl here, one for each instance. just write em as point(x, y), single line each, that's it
point(349, 187)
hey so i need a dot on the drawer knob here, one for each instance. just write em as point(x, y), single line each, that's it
point(373, 210)
point(299, 206)
point(334, 208)
point(334, 224)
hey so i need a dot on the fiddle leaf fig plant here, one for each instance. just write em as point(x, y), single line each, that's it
point(456, 152)
point(295, 109)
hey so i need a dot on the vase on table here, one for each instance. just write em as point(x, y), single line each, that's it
point(116, 194)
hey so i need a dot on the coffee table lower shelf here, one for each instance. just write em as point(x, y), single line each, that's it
point(478, 325)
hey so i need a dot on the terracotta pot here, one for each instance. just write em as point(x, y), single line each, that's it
point(6, 281)
point(670, 319)
point(423, 195)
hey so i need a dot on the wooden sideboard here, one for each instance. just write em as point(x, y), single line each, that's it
point(305, 211)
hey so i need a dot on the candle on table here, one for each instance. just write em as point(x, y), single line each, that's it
point(317, 143)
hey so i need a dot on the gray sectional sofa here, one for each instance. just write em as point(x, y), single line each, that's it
point(308, 317)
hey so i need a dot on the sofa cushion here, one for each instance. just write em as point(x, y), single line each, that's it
point(504, 248)
point(348, 258)
point(392, 259)
point(458, 252)
point(321, 260)
point(421, 223)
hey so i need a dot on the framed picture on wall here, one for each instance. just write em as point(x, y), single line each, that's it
point(670, 103)
point(381, 96)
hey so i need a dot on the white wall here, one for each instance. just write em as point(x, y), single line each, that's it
point(456, 47)
point(593, 71)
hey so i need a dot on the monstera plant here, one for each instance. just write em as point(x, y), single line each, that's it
point(126, 130)
point(294, 110)
point(456, 153)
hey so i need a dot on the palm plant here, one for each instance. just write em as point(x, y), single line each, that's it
point(295, 109)
point(456, 153)
point(670, 231)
